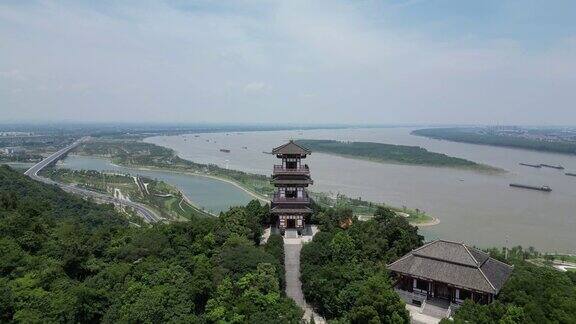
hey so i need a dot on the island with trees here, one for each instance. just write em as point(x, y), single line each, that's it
point(389, 153)
point(546, 140)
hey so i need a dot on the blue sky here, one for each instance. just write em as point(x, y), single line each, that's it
point(363, 61)
point(535, 24)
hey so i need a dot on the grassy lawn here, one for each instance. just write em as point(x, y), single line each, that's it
point(182, 208)
point(365, 209)
point(566, 258)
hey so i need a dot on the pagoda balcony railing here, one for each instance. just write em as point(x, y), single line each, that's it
point(279, 169)
point(290, 200)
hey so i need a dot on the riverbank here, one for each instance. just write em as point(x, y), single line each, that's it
point(417, 218)
point(251, 183)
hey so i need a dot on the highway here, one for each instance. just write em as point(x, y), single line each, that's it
point(148, 215)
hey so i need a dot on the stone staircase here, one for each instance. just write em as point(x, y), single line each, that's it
point(292, 248)
point(437, 308)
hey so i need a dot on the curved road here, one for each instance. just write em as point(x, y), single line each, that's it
point(148, 215)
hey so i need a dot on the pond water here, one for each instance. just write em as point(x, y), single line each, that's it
point(210, 194)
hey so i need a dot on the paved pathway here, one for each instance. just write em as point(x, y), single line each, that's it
point(292, 248)
point(416, 317)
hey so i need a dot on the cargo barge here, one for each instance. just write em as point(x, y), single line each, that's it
point(557, 167)
point(225, 150)
point(531, 165)
point(540, 188)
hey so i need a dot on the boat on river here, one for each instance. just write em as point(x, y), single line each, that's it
point(531, 165)
point(570, 174)
point(557, 167)
point(225, 150)
point(540, 188)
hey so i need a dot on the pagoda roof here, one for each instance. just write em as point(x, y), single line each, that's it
point(283, 209)
point(291, 148)
point(456, 264)
point(291, 181)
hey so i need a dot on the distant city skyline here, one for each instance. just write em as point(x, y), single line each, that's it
point(278, 62)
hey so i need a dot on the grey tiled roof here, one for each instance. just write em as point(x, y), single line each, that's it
point(456, 264)
point(291, 148)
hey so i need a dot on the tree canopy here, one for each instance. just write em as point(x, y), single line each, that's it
point(533, 294)
point(344, 268)
point(65, 259)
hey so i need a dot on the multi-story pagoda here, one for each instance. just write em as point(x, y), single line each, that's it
point(291, 202)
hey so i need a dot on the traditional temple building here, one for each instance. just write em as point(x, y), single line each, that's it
point(291, 202)
point(449, 271)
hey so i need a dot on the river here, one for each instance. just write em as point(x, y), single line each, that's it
point(473, 207)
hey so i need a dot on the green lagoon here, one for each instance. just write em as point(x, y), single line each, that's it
point(210, 194)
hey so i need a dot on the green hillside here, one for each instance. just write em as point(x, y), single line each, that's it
point(64, 259)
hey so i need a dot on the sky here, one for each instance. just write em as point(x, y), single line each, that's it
point(289, 61)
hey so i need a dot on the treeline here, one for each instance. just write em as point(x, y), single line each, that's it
point(474, 136)
point(532, 294)
point(389, 153)
point(343, 269)
point(64, 259)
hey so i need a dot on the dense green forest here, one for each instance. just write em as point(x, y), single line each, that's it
point(65, 259)
point(344, 270)
point(413, 155)
point(472, 135)
point(532, 294)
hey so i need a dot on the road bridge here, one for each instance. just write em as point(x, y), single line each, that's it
point(148, 215)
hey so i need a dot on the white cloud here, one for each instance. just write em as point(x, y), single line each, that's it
point(13, 74)
point(256, 87)
point(222, 61)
